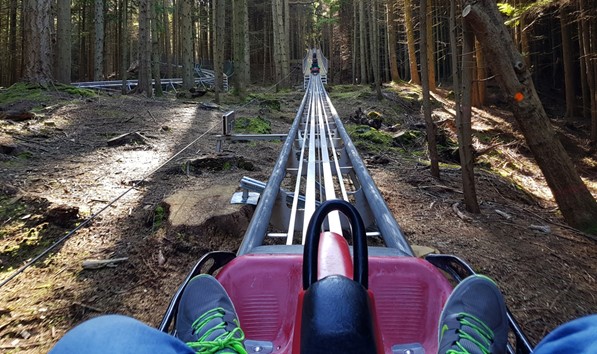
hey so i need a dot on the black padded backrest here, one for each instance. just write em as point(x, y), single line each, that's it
point(337, 318)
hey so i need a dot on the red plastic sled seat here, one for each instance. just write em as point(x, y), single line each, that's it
point(408, 295)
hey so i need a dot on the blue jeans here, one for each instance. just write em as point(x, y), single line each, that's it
point(578, 336)
point(119, 334)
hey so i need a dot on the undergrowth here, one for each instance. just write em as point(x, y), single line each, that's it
point(255, 125)
point(39, 95)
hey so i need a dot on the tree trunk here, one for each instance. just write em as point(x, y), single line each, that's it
point(245, 70)
point(329, 30)
point(241, 44)
point(155, 49)
point(219, 36)
point(144, 85)
point(37, 42)
point(124, 38)
point(589, 45)
point(12, 39)
point(479, 75)
point(362, 39)
point(567, 60)
point(279, 10)
point(265, 51)
point(374, 51)
point(89, 55)
point(430, 42)
point(167, 40)
point(392, 40)
point(98, 63)
point(210, 32)
point(63, 44)
point(524, 42)
point(463, 120)
point(286, 44)
point(355, 45)
point(82, 42)
point(276, 23)
point(584, 86)
point(176, 40)
point(187, 44)
point(576, 203)
point(385, 54)
point(410, 40)
point(429, 125)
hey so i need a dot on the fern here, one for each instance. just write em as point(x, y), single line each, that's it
point(515, 13)
point(506, 9)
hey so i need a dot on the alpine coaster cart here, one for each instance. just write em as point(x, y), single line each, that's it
point(308, 290)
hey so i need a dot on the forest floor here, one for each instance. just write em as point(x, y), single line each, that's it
point(57, 169)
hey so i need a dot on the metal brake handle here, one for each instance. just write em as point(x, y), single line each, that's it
point(360, 255)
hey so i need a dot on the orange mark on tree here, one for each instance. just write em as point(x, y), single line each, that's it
point(518, 96)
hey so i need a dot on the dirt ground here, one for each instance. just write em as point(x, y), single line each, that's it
point(57, 170)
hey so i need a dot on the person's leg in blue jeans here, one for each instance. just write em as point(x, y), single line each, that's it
point(206, 322)
point(118, 334)
point(578, 337)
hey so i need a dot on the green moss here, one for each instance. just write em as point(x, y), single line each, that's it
point(10, 210)
point(483, 137)
point(159, 215)
point(407, 138)
point(349, 92)
point(411, 95)
point(366, 95)
point(373, 135)
point(24, 230)
point(30, 238)
point(337, 96)
point(369, 139)
point(25, 155)
point(271, 104)
point(374, 115)
point(414, 95)
point(21, 91)
point(347, 88)
point(77, 91)
point(447, 165)
point(448, 150)
point(255, 125)
point(267, 100)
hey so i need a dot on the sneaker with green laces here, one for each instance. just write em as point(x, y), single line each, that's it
point(474, 319)
point(206, 319)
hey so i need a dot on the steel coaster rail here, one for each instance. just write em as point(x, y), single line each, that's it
point(256, 231)
point(291, 223)
point(326, 169)
point(311, 161)
point(389, 228)
point(326, 160)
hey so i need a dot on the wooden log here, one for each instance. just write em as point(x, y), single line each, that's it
point(16, 116)
point(128, 138)
point(460, 214)
point(101, 263)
